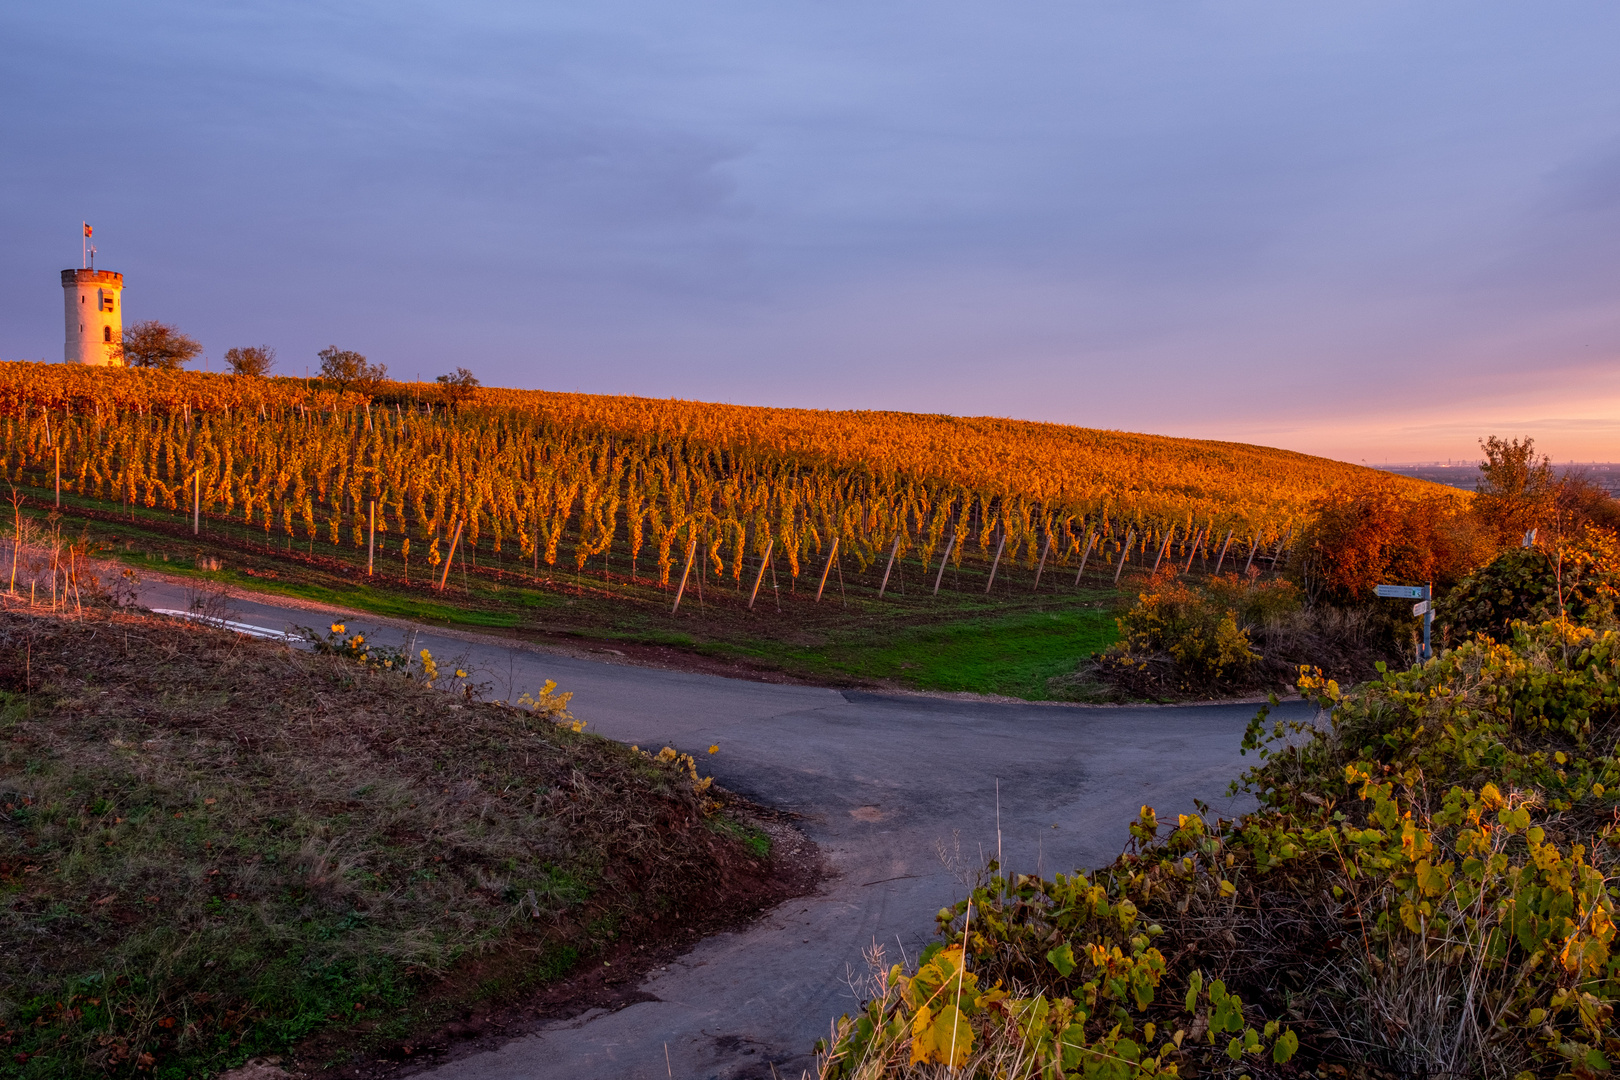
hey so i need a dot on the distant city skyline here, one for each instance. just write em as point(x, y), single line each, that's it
point(1375, 233)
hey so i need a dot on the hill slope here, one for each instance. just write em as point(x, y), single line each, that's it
point(213, 847)
point(547, 472)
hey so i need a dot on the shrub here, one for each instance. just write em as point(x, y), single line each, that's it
point(1183, 638)
point(1424, 890)
point(347, 369)
point(1256, 603)
point(1360, 538)
point(1531, 585)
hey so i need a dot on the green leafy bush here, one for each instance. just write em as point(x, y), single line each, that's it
point(1532, 585)
point(1425, 889)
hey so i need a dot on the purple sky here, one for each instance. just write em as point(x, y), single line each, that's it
point(1371, 230)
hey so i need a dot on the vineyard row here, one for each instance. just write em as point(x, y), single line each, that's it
point(553, 491)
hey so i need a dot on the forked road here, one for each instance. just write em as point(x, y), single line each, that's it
point(883, 784)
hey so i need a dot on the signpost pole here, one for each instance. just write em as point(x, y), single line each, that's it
point(1424, 595)
point(1428, 618)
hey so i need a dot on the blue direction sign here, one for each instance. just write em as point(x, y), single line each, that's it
point(1425, 609)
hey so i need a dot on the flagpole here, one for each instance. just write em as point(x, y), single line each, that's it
point(84, 244)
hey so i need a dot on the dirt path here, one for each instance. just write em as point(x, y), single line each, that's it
point(884, 784)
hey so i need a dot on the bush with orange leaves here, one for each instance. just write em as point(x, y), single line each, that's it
point(1362, 537)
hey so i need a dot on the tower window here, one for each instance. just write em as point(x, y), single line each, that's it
point(106, 333)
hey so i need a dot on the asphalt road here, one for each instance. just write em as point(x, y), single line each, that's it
point(885, 784)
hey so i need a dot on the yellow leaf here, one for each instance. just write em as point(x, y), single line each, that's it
point(945, 1037)
point(1433, 879)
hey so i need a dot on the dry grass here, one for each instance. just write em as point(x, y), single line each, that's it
point(211, 847)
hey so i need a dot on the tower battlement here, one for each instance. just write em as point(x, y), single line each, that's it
point(93, 307)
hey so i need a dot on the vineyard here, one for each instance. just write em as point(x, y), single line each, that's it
point(543, 478)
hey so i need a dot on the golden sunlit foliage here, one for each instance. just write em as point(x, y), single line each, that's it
point(1365, 536)
point(574, 475)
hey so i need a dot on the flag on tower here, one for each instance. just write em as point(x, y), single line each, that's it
point(88, 231)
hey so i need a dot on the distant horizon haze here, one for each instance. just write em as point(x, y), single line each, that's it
point(1375, 233)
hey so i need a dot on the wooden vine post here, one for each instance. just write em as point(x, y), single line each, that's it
point(825, 570)
point(1224, 546)
point(1192, 551)
point(196, 503)
point(691, 549)
point(371, 535)
point(893, 550)
point(58, 450)
point(1253, 547)
point(765, 561)
point(776, 590)
point(1124, 553)
point(1277, 555)
point(945, 560)
point(444, 578)
point(1045, 548)
point(1091, 542)
point(1002, 543)
point(1163, 548)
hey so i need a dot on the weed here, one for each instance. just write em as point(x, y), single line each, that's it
point(756, 840)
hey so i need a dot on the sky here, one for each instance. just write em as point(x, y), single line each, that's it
point(1376, 231)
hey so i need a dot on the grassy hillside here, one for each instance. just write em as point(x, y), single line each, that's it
point(212, 847)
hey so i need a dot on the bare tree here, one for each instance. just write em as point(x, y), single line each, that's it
point(152, 344)
point(457, 387)
point(349, 370)
point(253, 360)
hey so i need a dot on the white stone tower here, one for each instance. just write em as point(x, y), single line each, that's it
point(94, 305)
